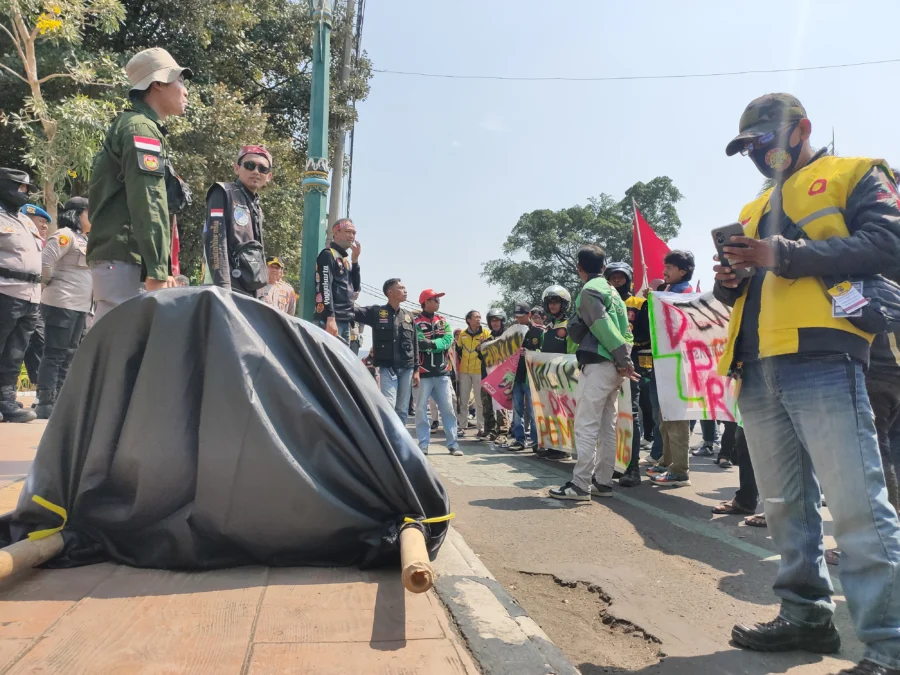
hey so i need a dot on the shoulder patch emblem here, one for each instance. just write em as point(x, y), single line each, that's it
point(383, 313)
point(150, 162)
point(9, 229)
point(241, 216)
point(320, 308)
point(63, 240)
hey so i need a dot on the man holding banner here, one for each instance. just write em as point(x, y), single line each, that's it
point(604, 353)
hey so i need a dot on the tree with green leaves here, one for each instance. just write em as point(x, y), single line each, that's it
point(543, 245)
point(45, 43)
point(252, 68)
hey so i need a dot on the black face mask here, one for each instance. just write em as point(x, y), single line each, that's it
point(10, 196)
point(776, 159)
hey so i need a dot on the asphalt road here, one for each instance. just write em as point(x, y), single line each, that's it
point(648, 582)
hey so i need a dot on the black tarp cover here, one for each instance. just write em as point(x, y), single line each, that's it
point(201, 429)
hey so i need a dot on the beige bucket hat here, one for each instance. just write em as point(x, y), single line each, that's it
point(153, 65)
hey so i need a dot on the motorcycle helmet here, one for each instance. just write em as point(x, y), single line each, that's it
point(559, 293)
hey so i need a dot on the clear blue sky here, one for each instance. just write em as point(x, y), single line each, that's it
point(444, 168)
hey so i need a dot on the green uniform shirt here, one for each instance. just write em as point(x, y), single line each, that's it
point(128, 205)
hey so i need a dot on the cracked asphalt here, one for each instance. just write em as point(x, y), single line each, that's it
point(648, 582)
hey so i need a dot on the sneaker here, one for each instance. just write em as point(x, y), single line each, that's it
point(617, 475)
point(670, 479)
point(781, 636)
point(600, 490)
point(425, 451)
point(557, 455)
point(570, 492)
point(656, 470)
point(648, 461)
point(455, 451)
point(646, 443)
point(631, 478)
point(704, 450)
point(529, 443)
point(866, 667)
point(434, 426)
point(515, 446)
point(539, 451)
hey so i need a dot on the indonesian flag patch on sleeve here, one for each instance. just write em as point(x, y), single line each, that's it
point(217, 213)
point(148, 144)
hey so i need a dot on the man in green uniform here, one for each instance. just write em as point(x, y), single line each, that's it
point(129, 202)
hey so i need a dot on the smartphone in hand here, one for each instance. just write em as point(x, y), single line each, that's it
point(722, 238)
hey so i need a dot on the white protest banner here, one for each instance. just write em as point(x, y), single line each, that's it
point(496, 351)
point(553, 379)
point(689, 332)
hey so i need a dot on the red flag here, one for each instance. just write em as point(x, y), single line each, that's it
point(176, 248)
point(648, 252)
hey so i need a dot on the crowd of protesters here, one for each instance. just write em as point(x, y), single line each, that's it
point(819, 386)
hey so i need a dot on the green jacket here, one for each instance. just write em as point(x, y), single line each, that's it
point(128, 204)
point(604, 334)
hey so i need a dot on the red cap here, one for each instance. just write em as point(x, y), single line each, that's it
point(255, 150)
point(429, 293)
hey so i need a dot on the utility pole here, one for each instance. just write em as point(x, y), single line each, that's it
point(315, 177)
point(337, 160)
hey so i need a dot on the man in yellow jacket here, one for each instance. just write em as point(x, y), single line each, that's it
point(469, 374)
point(807, 417)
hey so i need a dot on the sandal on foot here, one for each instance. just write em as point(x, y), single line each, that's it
point(732, 508)
point(759, 520)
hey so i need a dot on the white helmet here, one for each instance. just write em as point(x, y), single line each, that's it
point(556, 291)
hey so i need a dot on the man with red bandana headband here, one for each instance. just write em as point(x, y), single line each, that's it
point(233, 233)
point(807, 416)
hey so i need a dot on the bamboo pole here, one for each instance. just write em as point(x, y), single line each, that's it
point(418, 574)
point(29, 553)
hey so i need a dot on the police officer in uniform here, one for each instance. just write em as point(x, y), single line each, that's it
point(134, 191)
point(65, 300)
point(35, 351)
point(233, 234)
point(20, 287)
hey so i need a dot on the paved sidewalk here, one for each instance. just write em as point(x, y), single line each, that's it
point(115, 619)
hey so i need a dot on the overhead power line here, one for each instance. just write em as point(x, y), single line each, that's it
point(618, 78)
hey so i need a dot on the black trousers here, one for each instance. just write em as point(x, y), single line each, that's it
point(636, 426)
point(18, 319)
point(35, 351)
point(747, 494)
point(63, 329)
point(884, 394)
point(646, 408)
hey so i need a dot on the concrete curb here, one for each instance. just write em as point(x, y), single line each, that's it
point(499, 633)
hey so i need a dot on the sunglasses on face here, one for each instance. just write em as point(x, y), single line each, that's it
point(765, 140)
point(253, 166)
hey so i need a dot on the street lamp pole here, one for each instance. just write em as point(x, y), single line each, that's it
point(315, 177)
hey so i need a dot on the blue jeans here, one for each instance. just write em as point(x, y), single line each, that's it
point(343, 333)
point(396, 385)
point(442, 390)
point(808, 419)
point(709, 429)
point(521, 395)
point(656, 450)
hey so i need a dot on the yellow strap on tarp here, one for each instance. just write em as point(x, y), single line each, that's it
point(58, 510)
point(436, 519)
